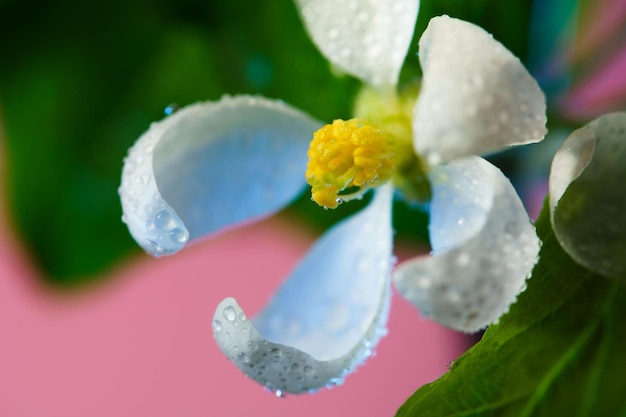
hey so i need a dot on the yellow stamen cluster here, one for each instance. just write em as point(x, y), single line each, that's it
point(348, 154)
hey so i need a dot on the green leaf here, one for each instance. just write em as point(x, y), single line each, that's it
point(558, 352)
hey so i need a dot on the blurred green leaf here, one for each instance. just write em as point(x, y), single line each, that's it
point(80, 82)
point(559, 351)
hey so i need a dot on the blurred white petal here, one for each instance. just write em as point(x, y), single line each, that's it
point(211, 165)
point(484, 247)
point(327, 317)
point(587, 197)
point(368, 39)
point(476, 96)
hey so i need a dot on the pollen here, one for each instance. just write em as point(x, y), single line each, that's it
point(346, 158)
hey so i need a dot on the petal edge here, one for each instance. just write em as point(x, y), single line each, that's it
point(322, 320)
point(212, 165)
point(471, 283)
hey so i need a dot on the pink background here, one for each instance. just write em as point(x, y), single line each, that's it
point(140, 343)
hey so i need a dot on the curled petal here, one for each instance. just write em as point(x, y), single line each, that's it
point(484, 247)
point(587, 197)
point(476, 95)
point(327, 317)
point(368, 39)
point(212, 165)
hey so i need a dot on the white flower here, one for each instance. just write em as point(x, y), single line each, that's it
point(212, 165)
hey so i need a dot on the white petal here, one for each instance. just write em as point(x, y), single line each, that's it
point(476, 95)
point(484, 248)
point(368, 39)
point(327, 317)
point(211, 165)
point(587, 197)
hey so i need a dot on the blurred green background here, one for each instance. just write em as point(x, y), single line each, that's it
point(80, 81)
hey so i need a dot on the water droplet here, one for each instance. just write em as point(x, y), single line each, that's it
point(463, 259)
point(162, 219)
point(129, 167)
point(145, 179)
point(229, 313)
point(308, 370)
point(217, 326)
point(178, 235)
point(149, 148)
point(243, 357)
point(154, 246)
point(171, 109)
point(280, 394)
point(295, 366)
point(276, 352)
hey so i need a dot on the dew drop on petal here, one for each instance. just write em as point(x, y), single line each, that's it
point(162, 219)
point(229, 313)
point(217, 325)
point(145, 179)
point(171, 109)
point(178, 235)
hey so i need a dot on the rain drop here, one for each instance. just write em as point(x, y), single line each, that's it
point(243, 357)
point(229, 313)
point(145, 179)
point(178, 236)
point(308, 370)
point(463, 259)
point(162, 219)
point(156, 248)
point(217, 326)
point(171, 109)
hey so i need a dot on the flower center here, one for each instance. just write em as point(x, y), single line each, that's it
point(350, 156)
point(347, 158)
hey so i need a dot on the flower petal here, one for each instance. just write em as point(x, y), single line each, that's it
point(211, 165)
point(484, 247)
point(587, 198)
point(476, 95)
point(327, 317)
point(368, 39)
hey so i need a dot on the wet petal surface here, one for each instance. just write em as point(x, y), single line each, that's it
point(327, 317)
point(211, 165)
point(587, 197)
point(484, 247)
point(368, 39)
point(476, 95)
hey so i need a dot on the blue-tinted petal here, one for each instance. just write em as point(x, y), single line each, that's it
point(484, 247)
point(211, 165)
point(587, 197)
point(327, 317)
point(368, 39)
